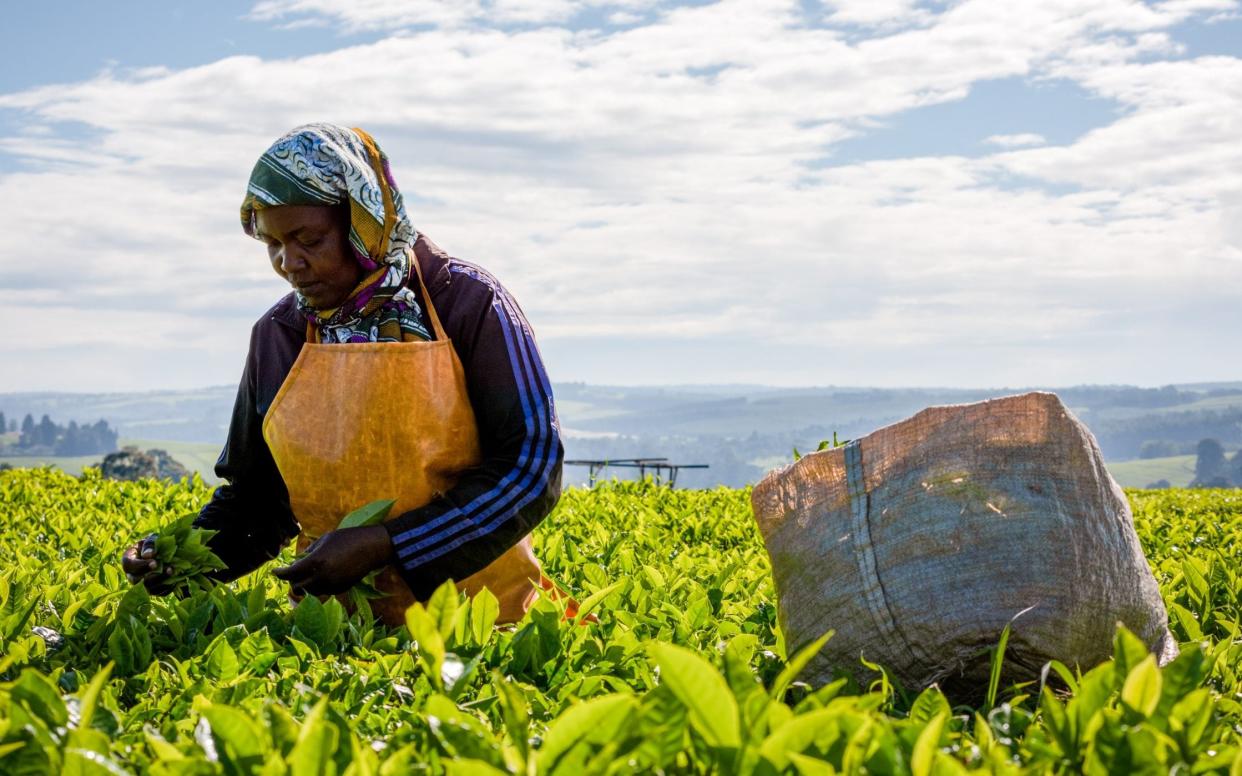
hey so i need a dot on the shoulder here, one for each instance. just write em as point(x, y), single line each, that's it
point(473, 280)
point(479, 314)
point(458, 277)
point(464, 293)
point(280, 317)
point(276, 338)
point(278, 334)
point(481, 304)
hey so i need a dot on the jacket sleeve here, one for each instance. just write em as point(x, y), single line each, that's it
point(519, 479)
point(251, 510)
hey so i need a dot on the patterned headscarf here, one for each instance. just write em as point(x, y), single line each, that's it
point(324, 164)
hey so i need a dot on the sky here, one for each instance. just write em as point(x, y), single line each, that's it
point(980, 193)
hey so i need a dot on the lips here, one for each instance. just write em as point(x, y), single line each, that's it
point(306, 289)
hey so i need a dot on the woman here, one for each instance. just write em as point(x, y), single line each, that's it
point(391, 371)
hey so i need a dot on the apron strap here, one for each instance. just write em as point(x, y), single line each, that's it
point(426, 294)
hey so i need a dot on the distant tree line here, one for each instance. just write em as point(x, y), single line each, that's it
point(49, 438)
point(1166, 448)
point(1213, 469)
point(1164, 434)
point(1102, 397)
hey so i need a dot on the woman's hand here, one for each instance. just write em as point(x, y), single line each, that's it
point(338, 560)
point(139, 563)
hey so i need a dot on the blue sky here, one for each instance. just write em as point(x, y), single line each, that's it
point(868, 192)
point(63, 42)
point(1058, 110)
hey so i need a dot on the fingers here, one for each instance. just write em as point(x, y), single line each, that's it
point(153, 579)
point(332, 564)
point(132, 565)
point(136, 567)
point(298, 574)
point(294, 569)
point(306, 577)
point(301, 572)
point(139, 561)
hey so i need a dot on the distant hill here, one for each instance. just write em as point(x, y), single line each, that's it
point(739, 430)
point(199, 415)
point(1177, 470)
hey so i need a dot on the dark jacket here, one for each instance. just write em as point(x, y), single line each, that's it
point(491, 507)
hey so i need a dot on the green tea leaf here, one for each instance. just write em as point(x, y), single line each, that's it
point(484, 609)
point(282, 728)
point(33, 690)
point(236, 732)
point(703, 692)
point(368, 514)
point(469, 767)
point(442, 607)
point(121, 650)
point(317, 742)
point(809, 766)
point(90, 696)
point(183, 550)
point(222, 662)
point(1128, 650)
point(313, 622)
point(1141, 691)
point(797, 734)
point(927, 746)
point(795, 666)
point(930, 704)
point(514, 713)
point(589, 604)
point(591, 722)
point(426, 633)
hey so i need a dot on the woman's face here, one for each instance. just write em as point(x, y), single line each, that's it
point(309, 246)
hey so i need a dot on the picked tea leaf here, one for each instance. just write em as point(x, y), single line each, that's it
point(368, 514)
point(184, 552)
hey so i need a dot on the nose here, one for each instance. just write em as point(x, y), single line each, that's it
point(288, 259)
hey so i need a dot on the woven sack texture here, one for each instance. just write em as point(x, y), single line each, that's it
point(918, 543)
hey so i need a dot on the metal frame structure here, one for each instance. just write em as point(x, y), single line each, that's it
point(659, 465)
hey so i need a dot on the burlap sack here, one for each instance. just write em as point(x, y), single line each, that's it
point(920, 541)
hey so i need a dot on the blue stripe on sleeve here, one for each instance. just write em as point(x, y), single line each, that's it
point(525, 491)
point(532, 466)
point(498, 496)
point(533, 473)
point(533, 431)
point(524, 455)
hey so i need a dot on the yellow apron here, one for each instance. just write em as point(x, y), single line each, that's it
point(354, 423)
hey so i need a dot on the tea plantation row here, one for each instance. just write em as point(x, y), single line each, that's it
point(684, 672)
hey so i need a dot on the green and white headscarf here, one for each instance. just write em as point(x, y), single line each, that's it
point(325, 164)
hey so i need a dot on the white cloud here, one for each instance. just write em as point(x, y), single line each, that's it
point(1171, 146)
point(877, 13)
point(624, 18)
point(1016, 141)
point(357, 15)
point(1183, 8)
point(655, 183)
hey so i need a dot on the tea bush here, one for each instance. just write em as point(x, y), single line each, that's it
point(685, 672)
